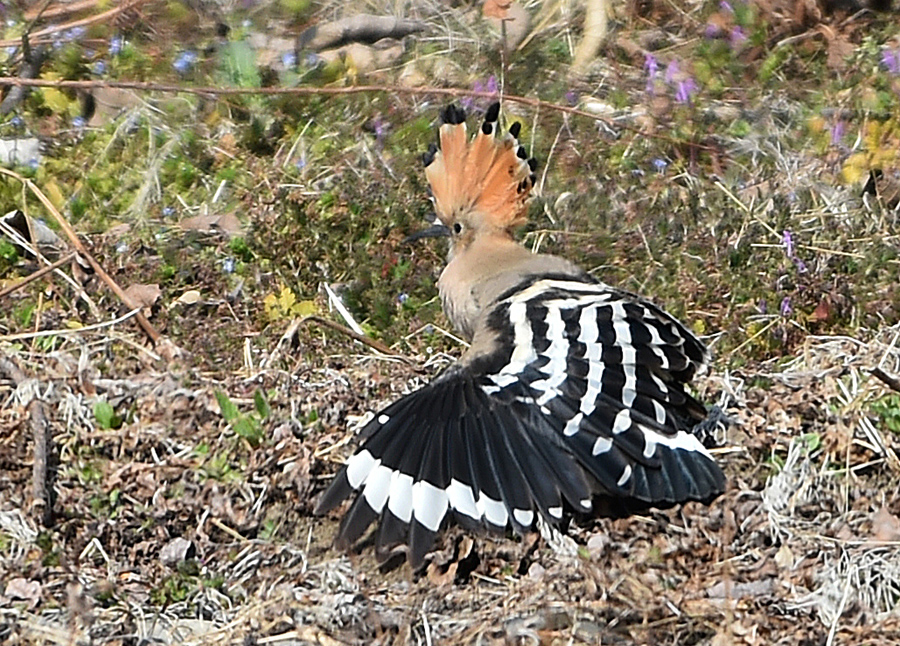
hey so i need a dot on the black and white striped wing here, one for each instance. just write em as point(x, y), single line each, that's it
point(607, 370)
point(583, 395)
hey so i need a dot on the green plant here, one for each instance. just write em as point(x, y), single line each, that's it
point(888, 409)
point(106, 416)
point(247, 425)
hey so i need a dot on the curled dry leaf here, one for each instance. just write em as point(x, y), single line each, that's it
point(24, 590)
point(190, 297)
point(885, 526)
point(143, 296)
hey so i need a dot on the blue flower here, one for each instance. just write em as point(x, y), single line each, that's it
point(78, 122)
point(17, 122)
point(115, 46)
point(403, 298)
point(289, 60)
point(99, 68)
point(185, 62)
point(168, 211)
point(75, 33)
point(659, 164)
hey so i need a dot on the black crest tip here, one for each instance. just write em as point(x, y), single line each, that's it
point(428, 156)
point(453, 115)
point(515, 129)
point(493, 112)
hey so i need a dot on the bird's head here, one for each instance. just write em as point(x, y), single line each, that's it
point(480, 186)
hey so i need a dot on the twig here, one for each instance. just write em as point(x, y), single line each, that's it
point(891, 382)
point(106, 16)
point(76, 242)
point(61, 10)
point(43, 447)
point(362, 338)
point(65, 331)
point(32, 61)
point(146, 86)
point(34, 276)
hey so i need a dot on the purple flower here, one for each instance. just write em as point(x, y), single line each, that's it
point(17, 122)
point(380, 127)
point(837, 132)
point(890, 58)
point(737, 37)
point(712, 30)
point(289, 60)
point(572, 97)
point(659, 164)
point(801, 266)
point(685, 90)
point(300, 164)
point(725, 6)
point(489, 86)
point(168, 211)
point(786, 307)
point(652, 67)
point(788, 241)
point(115, 46)
point(673, 70)
point(185, 62)
point(99, 68)
point(763, 307)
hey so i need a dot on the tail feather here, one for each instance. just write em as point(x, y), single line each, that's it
point(489, 174)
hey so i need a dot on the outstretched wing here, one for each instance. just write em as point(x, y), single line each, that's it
point(581, 394)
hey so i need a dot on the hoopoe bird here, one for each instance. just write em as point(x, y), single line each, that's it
point(570, 398)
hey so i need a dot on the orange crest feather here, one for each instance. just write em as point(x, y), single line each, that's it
point(488, 176)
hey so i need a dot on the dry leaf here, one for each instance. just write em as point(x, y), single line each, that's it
point(143, 296)
point(885, 526)
point(25, 590)
point(210, 223)
point(190, 297)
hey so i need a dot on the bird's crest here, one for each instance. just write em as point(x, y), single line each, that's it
point(489, 176)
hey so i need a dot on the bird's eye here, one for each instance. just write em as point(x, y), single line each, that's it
point(457, 228)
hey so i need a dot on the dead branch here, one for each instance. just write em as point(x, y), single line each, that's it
point(31, 68)
point(82, 250)
point(37, 274)
point(44, 34)
point(372, 343)
point(146, 86)
point(361, 28)
point(891, 382)
point(43, 443)
point(64, 9)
